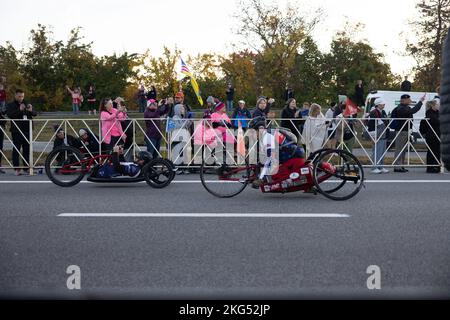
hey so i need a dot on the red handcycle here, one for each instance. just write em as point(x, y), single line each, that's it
point(336, 174)
point(66, 166)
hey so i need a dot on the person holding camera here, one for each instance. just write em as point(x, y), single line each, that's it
point(21, 113)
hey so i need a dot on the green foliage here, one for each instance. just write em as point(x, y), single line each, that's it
point(431, 30)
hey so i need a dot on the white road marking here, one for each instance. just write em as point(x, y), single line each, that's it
point(203, 215)
point(198, 181)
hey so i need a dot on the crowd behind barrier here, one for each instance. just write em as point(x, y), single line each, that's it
point(184, 141)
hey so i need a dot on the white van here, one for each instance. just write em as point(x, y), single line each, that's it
point(392, 99)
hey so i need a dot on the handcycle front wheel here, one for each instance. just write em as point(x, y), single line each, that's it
point(224, 181)
point(65, 167)
point(338, 174)
point(158, 173)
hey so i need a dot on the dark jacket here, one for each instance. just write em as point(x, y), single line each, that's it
point(288, 94)
point(153, 127)
point(359, 95)
point(376, 114)
point(261, 113)
point(433, 124)
point(71, 141)
point(92, 142)
point(239, 113)
point(14, 113)
point(293, 125)
point(405, 112)
point(444, 116)
point(230, 94)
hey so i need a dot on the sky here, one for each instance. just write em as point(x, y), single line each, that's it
point(198, 26)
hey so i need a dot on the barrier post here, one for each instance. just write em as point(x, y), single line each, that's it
point(30, 137)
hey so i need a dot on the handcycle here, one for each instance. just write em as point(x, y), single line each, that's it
point(336, 174)
point(66, 166)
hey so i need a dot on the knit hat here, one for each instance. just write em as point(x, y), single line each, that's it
point(219, 106)
point(150, 102)
point(379, 101)
point(210, 100)
point(82, 132)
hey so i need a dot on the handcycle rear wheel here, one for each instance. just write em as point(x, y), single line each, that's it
point(224, 181)
point(65, 167)
point(347, 179)
point(158, 173)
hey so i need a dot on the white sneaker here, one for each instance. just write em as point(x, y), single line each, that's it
point(384, 170)
point(376, 171)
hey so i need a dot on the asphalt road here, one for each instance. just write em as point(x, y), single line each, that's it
point(402, 227)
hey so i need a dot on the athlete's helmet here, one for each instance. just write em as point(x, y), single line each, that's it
point(258, 122)
point(145, 156)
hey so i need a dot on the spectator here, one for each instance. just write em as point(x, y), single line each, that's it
point(179, 117)
point(406, 85)
point(288, 93)
point(92, 101)
point(110, 118)
point(331, 130)
point(359, 94)
point(305, 109)
point(315, 129)
point(152, 94)
point(221, 123)
point(345, 126)
point(60, 139)
point(141, 98)
point(2, 98)
point(378, 133)
point(210, 103)
point(288, 116)
point(77, 99)
point(431, 131)
point(402, 129)
point(2, 134)
point(179, 99)
point(21, 113)
point(263, 107)
point(230, 97)
point(89, 141)
point(153, 126)
point(241, 115)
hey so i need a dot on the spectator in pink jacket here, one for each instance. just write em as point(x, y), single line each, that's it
point(111, 119)
point(222, 123)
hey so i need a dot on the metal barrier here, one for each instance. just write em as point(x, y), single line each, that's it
point(185, 141)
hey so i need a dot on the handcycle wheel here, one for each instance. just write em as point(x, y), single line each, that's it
point(64, 166)
point(224, 181)
point(338, 174)
point(158, 173)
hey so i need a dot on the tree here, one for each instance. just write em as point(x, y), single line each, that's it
point(349, 61)
point(276, 36)
point(160, 71)
point(239, 68)
point(309, 77)
point(11, 69)
point(431, 30)
point(39, 66)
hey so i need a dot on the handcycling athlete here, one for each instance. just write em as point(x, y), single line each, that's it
point(286, 141)
point(119, 168)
